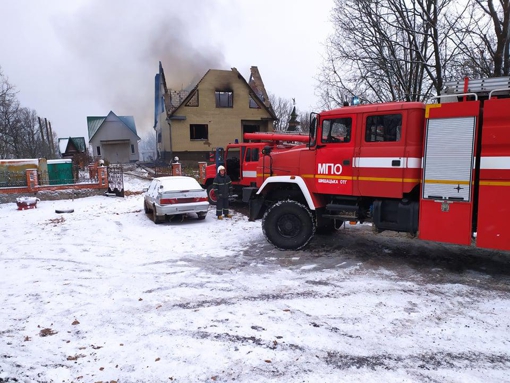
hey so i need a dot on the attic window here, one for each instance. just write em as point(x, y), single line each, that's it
point(224, 99)
point(253, 104)
point(193, 101)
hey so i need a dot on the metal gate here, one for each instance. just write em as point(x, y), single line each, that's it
point(116, 180)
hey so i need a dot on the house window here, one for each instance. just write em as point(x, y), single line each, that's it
point(198, 132)
point(132, 149)
point(98, 150)
point(383, 128)
point(224, 99)
point(253, 104)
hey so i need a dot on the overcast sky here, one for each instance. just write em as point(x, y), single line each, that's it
point(73, 59)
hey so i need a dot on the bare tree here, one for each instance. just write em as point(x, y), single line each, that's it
point(304, 119)
point(282, 108)
point(482, 33)
point(33, 143)
point(9, 118)
point(386, 50)
point(20, 134)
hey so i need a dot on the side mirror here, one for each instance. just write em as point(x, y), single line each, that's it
point(267, 150)
point(145, 190)
point(311, 128)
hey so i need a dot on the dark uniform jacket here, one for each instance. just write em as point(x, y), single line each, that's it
point(222, 185)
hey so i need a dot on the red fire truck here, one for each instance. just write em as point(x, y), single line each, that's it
point(440, 171)
point(240, 159)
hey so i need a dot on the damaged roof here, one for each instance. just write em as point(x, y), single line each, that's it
point(257, 91)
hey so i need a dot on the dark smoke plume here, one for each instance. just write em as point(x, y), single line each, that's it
point(117, 45)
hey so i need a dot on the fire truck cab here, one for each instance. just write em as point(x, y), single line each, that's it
point(440, 171)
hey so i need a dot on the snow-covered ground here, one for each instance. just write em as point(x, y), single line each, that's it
point(104, 294)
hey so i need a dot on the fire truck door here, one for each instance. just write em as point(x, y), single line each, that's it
point(446, 205)
point(380, 161)
point(335, 152)
point(250, 166)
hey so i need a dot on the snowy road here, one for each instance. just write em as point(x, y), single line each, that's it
point(103, 294)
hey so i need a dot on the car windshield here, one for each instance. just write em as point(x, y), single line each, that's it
point(180, 183)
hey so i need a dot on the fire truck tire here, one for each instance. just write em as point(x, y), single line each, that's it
point(211, 195)
point(288, 225)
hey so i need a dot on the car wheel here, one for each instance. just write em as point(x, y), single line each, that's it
point(201, 215)
point(157, 218)
point(288, 225)
point(145, 208)
point(211, 195)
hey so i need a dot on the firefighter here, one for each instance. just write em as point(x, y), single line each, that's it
point(223, 188)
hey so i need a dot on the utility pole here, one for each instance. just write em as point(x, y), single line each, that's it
point(50, 140)
point(41, 130)
point(47, 134)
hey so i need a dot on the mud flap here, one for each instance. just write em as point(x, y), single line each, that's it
point(255, 209)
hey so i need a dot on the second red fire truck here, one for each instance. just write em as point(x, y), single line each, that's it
point(241, 159)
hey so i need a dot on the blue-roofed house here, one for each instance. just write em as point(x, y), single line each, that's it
point(113, 138)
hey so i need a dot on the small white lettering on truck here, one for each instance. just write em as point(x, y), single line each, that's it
point(331, 181)
point(327, 181)
point(329, 169)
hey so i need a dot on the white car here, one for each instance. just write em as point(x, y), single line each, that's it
point(175, 196)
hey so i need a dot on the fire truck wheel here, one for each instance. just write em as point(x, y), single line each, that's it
point(288, 225)
point(211, 194)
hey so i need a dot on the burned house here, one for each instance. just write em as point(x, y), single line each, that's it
point(218, 110)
